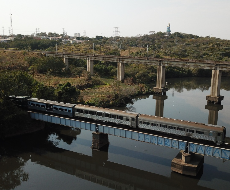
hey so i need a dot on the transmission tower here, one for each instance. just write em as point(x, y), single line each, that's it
point(116, 32)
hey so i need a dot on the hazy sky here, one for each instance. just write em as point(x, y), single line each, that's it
point(133, 17)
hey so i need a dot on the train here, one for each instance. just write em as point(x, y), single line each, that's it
point(190, 129)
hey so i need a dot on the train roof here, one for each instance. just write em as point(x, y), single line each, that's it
point(181, 122)
point(52, 102)
point(106, 110)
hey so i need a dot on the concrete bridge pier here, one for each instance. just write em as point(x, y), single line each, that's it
point(120, 71)
point(215, 96)
point(159, 111)
point(89, 65)
point(160, 85)
point(213, 112)
point(66, 61)
point(100, 141)
point(190, 164)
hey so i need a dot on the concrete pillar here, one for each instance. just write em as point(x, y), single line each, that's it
point(66, 61)
point(160, 77)
point(159, 111)
point(90, 66)
point(160, 85)
point(213, 112)
point(215, 87)
point(100, 141)
point(120, 71)
point(187, 163)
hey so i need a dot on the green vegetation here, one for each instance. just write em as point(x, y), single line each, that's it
point(30, 73)
point(29, 43)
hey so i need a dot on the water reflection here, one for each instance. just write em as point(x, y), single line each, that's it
point(213, 112)
point(159, 104)
point(11, 172)
point(16, 152)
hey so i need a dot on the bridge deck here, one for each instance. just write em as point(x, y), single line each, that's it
point(152, 61)
point(146, 136)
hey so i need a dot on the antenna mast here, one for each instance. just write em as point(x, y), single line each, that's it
point(11, 25)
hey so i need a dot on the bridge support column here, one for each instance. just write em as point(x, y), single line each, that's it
point(187, 163)
point(215, 87)
point(159, 111)
point(120, 71)
point(100, 141)
point(66, 61)
point(213, 112)
point(90, 66)
point(160, 85)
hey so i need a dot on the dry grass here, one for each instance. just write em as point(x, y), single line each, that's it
point(15, 60)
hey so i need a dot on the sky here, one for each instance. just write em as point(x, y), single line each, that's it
point(132, 17)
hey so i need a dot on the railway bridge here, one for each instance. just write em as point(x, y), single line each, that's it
point(189, 160)
point(216, 67)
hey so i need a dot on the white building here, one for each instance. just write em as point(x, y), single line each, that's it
point(77, 35)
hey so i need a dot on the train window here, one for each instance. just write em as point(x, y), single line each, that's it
point(133, 119)
point(180, 129)
point(120, 117)
point(69, 111)
point(106, 115)
point(153, 124)
point(86, 112)
point(113, 116)
point(199, 132)
point(66, 110)
point(42, 106)
point(218, 134)
point(55, 108)
point(60, 109)
point(127, 119)
point(37, 105)
point(190, 130)
point(165, 126)
point(159, 125)
point(99, 113)
point(146, 123)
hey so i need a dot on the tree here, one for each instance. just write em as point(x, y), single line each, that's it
point(67, 93)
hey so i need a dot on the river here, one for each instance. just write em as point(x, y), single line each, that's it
point(62, 158)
